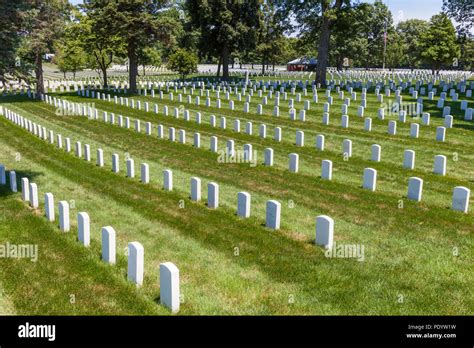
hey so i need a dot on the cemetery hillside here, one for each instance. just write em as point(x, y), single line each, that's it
point(223, 157)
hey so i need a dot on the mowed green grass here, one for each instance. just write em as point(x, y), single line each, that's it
point(417, 259)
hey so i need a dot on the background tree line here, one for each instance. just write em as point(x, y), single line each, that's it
point(340, 33)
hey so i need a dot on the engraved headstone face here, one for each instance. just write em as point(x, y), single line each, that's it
point(376, 153)
point(409, 159)
point(63, 208)
point(243, 204)
point(169, 286)
point(326, 169)
point(293, 162)
point(370, 179)
point(324, 231)
point(461, 196)
point(273, 214)
point(108, 245)
point(135, 263)
point(83, 228)
point(168, 180)
point(440, 165)
point(415, 188)
point(212, 195)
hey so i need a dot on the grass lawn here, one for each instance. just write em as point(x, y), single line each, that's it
point(418, 256)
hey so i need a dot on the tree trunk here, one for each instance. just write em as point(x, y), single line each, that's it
point(39, 75)
point(225, 63)
point(219, 66)
point(74, 74)
point(133, 71)
point(323, 49)
point(64, 74)
point(144, 72)
point(104, 77)
point(263, 64)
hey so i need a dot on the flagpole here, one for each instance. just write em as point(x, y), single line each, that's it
point(384, 42)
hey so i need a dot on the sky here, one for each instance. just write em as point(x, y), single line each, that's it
point(409, 9)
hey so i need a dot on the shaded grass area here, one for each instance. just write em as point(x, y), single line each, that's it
point(406, 245)
point(66, 279)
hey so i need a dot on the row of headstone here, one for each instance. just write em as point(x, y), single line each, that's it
point(169, 273)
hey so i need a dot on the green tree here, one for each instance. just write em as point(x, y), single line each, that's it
point(45, 21)
point(377, 22)
point(225, 26)
point(140, 24)
point(410, 31)
point(183, 62)
point(396, 49)
point(316, 19)
point(462, 11)
point(349, 38)
point(98, 39)
point(10, 39)
point(149, 56)
point(438, 43)
point(70, 55)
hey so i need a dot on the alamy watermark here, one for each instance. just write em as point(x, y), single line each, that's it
point(238, 156)
point(394, 108)
point(19, 251)
point(354, 251)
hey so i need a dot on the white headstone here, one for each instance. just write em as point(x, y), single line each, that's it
point(49, 206)
point(130, 168)
point(195, 189)
point(461, 199)
point(212, 195)
point(213, 144)
point(25, 189)
point(100, 157)
point(299, 138)
point(440, 165)
point(169, 286)
point(108, 244)
point(273, 214)
point(320, 142)
point(392, 127)
point(115, 163)
point(243, 204)
point(370, 179)
point(293, 162)
point(448, 121)
point(268, 157)
point(415, 189)
point(376, 152)
point(345, 121)
point(409, 159)
point(368, 124)
point(324, 231)
point(347, 148)
point(145, 173)
point(13, 184)
point(440, 133)
point(136, 261)
point(83, 227)
point(168, 180)
point(63, 208)
point(414, 130)
point(33, 195)
point(326, 170)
